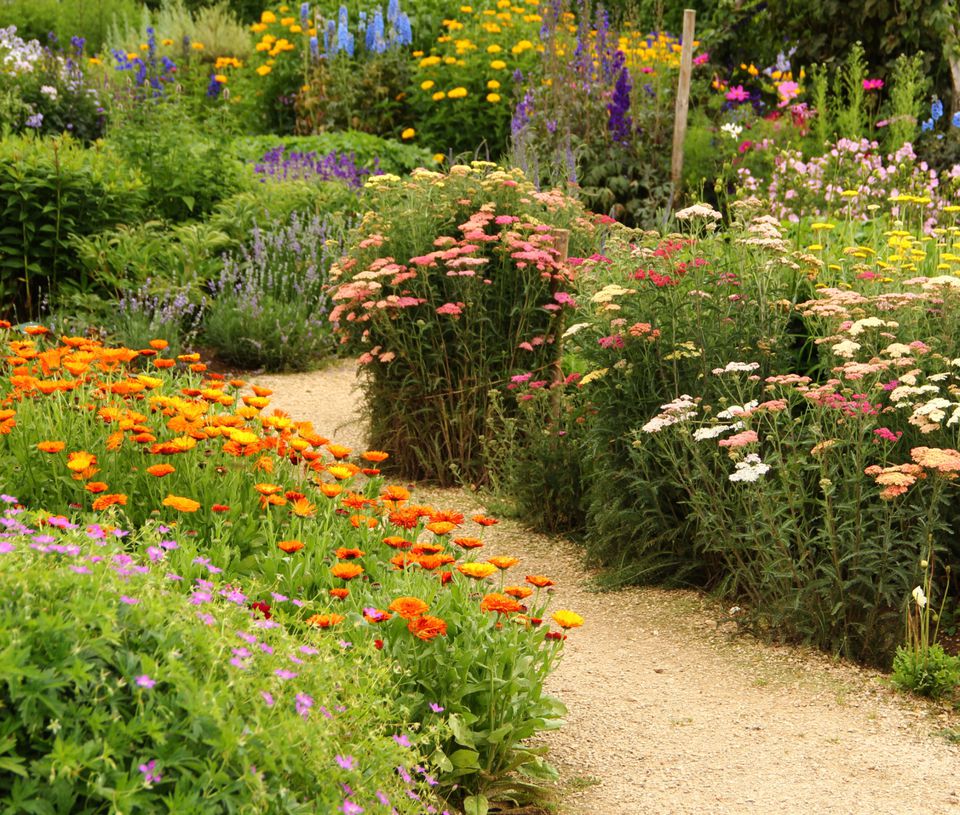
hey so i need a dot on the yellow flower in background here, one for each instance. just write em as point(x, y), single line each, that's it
point(166, 41)
point(288, 21)
point(197, 46)
point(498, 65)
point(450, 60)
point(438, 96)
point(458, 93)
point(263, 70)
point(409, 133)
point(466, 9)
point(417, 54)
point(494, 49)
point(283, 9)
point(295, 29)
point(304, 88)
point(133, 55)
point(256, 28)
point(493, 98)
point(493, 85)
point(427, 84)
point(429, 62)
point(220, 78)
point(94, 61)
point(144, 46)
point(439, 158)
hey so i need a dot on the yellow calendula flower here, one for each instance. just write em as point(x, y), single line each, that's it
point(494, 49)
point(458, 93)
point(94, 61)
point(268, 17)
point(498, 65)
point(427, 84)
point(429, 62)
point(263, 70)
point(466, 9)
point(166, 41)
point(493, 85)
point(296, 29)
point(438, 96)
point(197, 46)
point(450, 60)
point(256, 28)
point(408, 133)
point(417, 54)
point(220, 78)
point(493, 98)
point(439, 158)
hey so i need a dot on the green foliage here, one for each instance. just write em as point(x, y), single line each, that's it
point(390, 155)
point(90, 19)
point(183, 163)
point(460, 304)
point(851, 112)
point(270, 307)
point(907, 95)
point(53, 190)
point(934, 673)
point(134, 705)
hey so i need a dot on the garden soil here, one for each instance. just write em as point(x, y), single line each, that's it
point(673, 710)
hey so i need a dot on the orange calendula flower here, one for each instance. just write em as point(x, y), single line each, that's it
point(441, 527)
point(520, 592)
point(406, 518)
point(290, 546)
point(500, 603)
point(408, 607)
point(468, 543)
point(158, 345)
point(267, 489)
point(96, 487)
point(446, 516)
point(503, 561)
point(427, 628)
point(115, 440)
point(483, 520)
point(338, 451)
point(160, 470)
point(348, 554)
point(340, 594)
point(395, 493)
point(341, 472)
point(426, 549)
point(302, 508)
point(567, 619)
point(396, 542)
point(331, 490)
point(431, 562)
point(324, 620)
point(80, 460)
point(220, 508)
point(375, 456)
point(478, 571)
point(539, 581)
point(51, 446)
point(376, 615)
point(109, 500)
point(346, 571)
point(261, 391)
point(181, 504)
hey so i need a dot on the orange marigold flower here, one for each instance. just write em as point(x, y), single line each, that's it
point(302, 508)
point(405, 518)
point(220, 508)
point(36, 330)
point(478, 571)
point(290, 546)
point(158, 345)
point(567, 619)
point(96, 486)
point(402, 560)
point(160, 362)
point(408, 607)
point(468, 543)
point(396, 542)
point(340, 594)
point(272, 501)
point(267, 489)
point(441, 527)
point(80, 460)
point(446, 516)
point(363, 520)
point(160, 470)
point(483, 520)
point(500, 603)
point(261, 391)
point(374, 456)
point(426, 627)
point(51, 446)
point(503, 561)
point(338, 451)
point(109, 500)
point(346, 571)
point(395, 493)
point(348, 554)
point(353, 500)
point(539, 581)
point(181, 504)
point(324, 620)
point(520, 592)
point(331, 490)
point(427, 549)
point(431, 562)
point(370, 471)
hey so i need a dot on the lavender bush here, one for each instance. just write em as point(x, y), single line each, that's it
point(270, 306)
point(154, 311)
point(278, 165)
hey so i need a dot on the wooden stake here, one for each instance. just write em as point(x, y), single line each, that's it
point(683, 102)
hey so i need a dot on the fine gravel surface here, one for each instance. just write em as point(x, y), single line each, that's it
point(672, 711)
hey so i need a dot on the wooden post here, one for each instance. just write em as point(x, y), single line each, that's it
point(683, 101)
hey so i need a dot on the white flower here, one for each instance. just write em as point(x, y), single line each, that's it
point(49, 90)
point(737, 410)
point(607, 293)
point(920, 597)
point(859, 326)
point(732, 130)
point(698, 211)
point(846, 349)
point(733, 367)
point(712, 431)
point(750, 469)
point(679, 410)
point(575, 328)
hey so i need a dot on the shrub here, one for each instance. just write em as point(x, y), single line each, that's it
point(133, 701)
point(281, 509)
point(451, 283)
point(89, 19)
point(53, 189)
point(270, 307)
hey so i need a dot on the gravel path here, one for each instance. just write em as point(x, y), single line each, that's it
point(671, 713)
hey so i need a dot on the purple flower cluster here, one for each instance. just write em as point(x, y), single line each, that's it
point(620, 123)
point(278, 165)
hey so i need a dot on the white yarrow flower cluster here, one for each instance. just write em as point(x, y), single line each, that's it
point(736, 367)
point(712, 431)
point(704, 211)
point(750, 469)
point(679, 410)
point(737, 410)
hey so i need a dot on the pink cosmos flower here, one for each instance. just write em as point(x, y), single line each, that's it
point(872, 84)
point(737, 94)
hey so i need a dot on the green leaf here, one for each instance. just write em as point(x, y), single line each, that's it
point(475, 805)
point(465, 759)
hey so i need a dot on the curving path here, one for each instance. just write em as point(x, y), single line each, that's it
point(670, 713)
